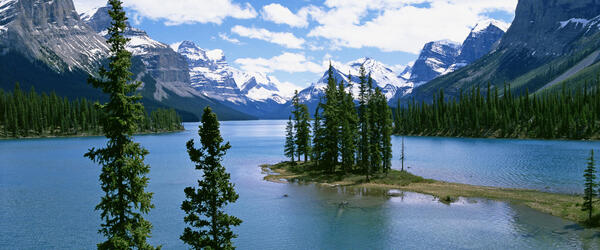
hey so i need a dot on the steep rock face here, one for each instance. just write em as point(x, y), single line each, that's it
point(263, 88)
point(480, 41)
point(550, 27)
point(50, 31)
point(210, 74)
point(545, 39)
point(434, 60)
point(168, 68)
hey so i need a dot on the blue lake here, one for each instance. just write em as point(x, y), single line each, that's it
point(48, 192)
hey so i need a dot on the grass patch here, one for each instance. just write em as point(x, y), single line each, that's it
point(560, 205)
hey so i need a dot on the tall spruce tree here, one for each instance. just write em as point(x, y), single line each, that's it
point(296, 113)
point(317, 148)
point(375, 129)
point(204, 206)
point(363, 123)
point(290, 142)
point(303, 132)
point(590, 191)
point(123, 178)
point(331, 123)
point(386, 134)
point(349, 120)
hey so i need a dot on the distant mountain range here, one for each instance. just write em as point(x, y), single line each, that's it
point(48, 45)
point(548, 43)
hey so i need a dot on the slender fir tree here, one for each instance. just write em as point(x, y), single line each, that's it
point(363, 123)
point(204, 205)
point(123, 177)
point(318, 134)
point(290, 142)
point(590, 191)
point(331, 124)
point(303, 132)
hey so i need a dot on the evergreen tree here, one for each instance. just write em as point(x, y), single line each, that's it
point(318, 135)
point(363, 123)
point(123, 178)
point(204, 206)
point(331, 123)
point(386, 134)
point(349, 128)
point(590, 191)
point(290, 143)
point(303, 132)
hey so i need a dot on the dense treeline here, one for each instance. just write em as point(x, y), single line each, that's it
point(565, 114)
point(29, 114)
point(357, 140)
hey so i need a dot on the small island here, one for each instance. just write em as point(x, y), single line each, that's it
point(560, 205)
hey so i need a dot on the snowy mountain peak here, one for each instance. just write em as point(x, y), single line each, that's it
point(489, 23)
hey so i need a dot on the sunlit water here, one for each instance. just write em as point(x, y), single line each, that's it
point(48, 192)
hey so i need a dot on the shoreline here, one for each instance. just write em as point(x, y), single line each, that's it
point(83, 135)
point(564, 206)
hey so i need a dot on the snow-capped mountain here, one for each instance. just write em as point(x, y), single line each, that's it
point(386, 79)
point(212, 75)
point(435, 59)
point(50, 31)
point(209, 73)
point(263, 88)
point(167, 67)
point(443, 57)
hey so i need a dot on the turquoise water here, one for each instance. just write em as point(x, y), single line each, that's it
point(48, 191)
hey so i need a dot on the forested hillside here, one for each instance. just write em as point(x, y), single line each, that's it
point(29, 114)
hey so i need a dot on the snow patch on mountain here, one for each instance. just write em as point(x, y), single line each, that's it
point(577, 21)
point(483, 25)
point(383, 77)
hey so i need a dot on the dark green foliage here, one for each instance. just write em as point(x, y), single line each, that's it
point(590, 191)
point(343, 135)
point(364, 150)
point(566, 114)
point(290, 144)
point(204, 206)
point(331, 125)
point(318, 138)
point(302, 128)
point(349, 129)
point(123, 178)
point(37, 115)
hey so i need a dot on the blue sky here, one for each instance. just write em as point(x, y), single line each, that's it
point(294, 40)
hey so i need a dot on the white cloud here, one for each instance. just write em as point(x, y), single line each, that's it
point(225, 37)
point(282, 38)
point(281, 15)
point(287, 62)
point(175, 12)
point(399, 25)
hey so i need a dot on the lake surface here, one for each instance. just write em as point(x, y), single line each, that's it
point(48, 192)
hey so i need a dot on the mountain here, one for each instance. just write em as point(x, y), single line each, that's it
point(253, 93)
point(435, 59)
point(443, 57)
point(44, 44)
point(549, 42)
point(383, 77)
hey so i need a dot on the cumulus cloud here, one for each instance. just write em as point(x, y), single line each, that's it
point(280, 14)
point(286, 39)
point(287, 62)
point(176, 12)
point(400, 25)
point(225, 37)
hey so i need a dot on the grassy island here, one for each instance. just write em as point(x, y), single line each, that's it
point(561, 205)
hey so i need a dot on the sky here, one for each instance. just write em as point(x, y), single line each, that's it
point(295, 40)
